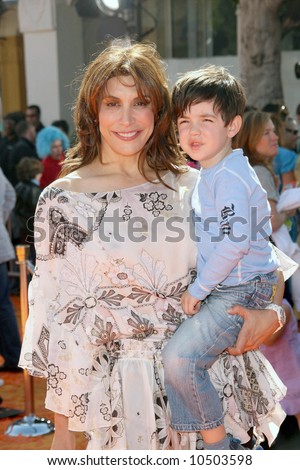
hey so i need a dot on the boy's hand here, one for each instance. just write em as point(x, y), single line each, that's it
point(190, 304)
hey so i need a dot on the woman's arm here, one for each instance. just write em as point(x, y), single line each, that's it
point(273, 338)
point(63, 439)
point(277, 218)
point(258, 324)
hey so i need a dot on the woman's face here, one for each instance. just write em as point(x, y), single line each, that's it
point(56, 149)
point(126, 121)
point(267, 146)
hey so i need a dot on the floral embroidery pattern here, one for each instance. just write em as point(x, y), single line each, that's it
point(105, 411)
point(101, 333)
point(127, 212)
point(62, 231)
point(151, 274)
point(80, 406)
point(55, 376)
point(51, 194)
point(162, 420)
point(119, 274)
point(177, 291)
point(111, 298)
point(172, 316)
point(155, 202)
point(141, 327)
point(141, 296)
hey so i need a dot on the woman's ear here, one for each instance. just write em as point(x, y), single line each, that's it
point(234, 126)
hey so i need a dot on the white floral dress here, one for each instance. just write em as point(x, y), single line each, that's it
point(104, 299)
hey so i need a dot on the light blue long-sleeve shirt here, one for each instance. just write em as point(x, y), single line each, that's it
point(232, 223)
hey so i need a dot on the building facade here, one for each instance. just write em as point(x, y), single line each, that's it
point(45, 44)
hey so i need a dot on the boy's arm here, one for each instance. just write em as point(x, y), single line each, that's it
point(232, 221)
point(190, 304)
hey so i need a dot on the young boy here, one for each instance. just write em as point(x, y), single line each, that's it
point(235, 262)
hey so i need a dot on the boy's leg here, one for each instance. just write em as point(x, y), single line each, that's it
point(194, 403)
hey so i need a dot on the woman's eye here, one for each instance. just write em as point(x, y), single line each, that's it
point(111, 104)
point(141, 103)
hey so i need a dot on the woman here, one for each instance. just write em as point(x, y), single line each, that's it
point(283, 352)
point(259, 140)
point(10, 344)
point(115, 252)
point(28, 191)
point(51, 144)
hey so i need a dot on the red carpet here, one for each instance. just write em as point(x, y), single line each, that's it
point(13, 396)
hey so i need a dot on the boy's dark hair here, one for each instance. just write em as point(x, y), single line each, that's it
point(209, 83)
point(28, 168)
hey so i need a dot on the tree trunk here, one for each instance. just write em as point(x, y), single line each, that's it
point(259, 53)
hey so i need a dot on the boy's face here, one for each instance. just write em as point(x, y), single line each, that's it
point(203, 135)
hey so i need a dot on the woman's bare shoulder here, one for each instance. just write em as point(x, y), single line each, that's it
point(70, 182)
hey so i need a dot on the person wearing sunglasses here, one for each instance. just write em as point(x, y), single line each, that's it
point(286, 159)
point(33, 116)
point(284, 165)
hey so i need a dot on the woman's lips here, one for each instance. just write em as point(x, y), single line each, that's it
point(127, 135)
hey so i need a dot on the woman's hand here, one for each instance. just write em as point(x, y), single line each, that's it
point(273, 338)
point(258, 326)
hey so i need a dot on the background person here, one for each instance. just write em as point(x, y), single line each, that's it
point(28, 190)
point(259, 140)
point(10, 344)
point(24, 147)
point(33, 116)
point(51, 146)
point(283, 351)
point(10, 137)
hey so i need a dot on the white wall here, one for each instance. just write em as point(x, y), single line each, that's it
point(70, 58)
point(41, 71)
point(53, 54)
point(179, 66)
point(291, 85)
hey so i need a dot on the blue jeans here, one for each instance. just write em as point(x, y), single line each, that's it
point(195, 346)
point(10, 343)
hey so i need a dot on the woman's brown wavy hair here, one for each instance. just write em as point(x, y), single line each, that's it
point(252, 130)
point(143, 63)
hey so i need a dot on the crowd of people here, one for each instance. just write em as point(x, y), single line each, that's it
point(154, 328)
